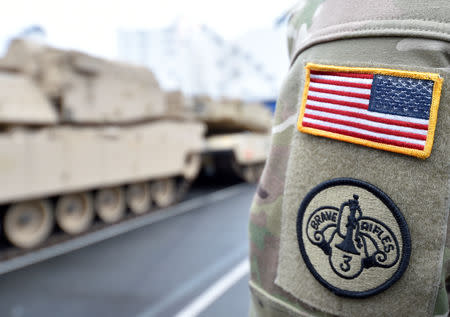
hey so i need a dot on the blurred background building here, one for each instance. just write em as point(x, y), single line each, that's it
point(197, 60)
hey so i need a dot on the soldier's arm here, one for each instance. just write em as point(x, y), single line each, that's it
point(362, 123)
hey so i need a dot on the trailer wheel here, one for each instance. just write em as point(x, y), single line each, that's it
point(28, 224)
point(110, 204)
point(192, 166)
point(74, 212)
point(164, 192)
point(138, 198)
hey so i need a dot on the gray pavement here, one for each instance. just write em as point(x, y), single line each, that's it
point(235, 302)
point(156, 270)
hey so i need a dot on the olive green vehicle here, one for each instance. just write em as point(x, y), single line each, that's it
point(82, 137)
point(238, 136)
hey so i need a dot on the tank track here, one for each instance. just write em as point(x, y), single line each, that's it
point(9, 252)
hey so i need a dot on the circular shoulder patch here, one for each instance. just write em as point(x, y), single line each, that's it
point(352, 237)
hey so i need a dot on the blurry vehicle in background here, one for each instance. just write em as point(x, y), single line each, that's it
point(238, 136)
point(81, 136)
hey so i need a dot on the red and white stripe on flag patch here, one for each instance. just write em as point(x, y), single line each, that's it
point(387, 109)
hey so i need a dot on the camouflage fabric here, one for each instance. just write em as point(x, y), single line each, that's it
point(400, 34)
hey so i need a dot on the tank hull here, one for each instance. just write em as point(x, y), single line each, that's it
point(83, 139)
point(63, 159)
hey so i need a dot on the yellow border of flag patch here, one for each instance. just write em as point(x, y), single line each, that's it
point(437, 87)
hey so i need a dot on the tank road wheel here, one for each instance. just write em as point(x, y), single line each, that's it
point(74, 212)
point(164, 192)
point(192, 166)
point(110, 204)
point(138, 198)
point(28, 224)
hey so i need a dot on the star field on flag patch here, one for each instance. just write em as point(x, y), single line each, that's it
point(393, 110)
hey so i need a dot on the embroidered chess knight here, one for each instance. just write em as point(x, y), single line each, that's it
point(353, 242)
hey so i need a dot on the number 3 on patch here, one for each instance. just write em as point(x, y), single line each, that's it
point(345, 266)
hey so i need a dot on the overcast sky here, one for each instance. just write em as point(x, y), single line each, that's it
point(90, 25)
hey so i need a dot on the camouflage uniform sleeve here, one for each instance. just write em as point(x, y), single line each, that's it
point(309, 170)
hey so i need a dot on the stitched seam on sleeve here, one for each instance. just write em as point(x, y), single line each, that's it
point(383, 19)
point(370, 31)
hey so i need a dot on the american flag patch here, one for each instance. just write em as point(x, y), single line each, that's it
point(387, 109)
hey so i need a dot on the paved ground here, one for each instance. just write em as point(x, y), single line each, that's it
point(157, 270)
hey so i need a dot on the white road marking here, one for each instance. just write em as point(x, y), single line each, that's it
point(115, 230)
point(216, 290)
point(197, 282)
point(285, 124)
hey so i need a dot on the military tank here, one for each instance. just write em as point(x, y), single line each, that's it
point(83, 138)
point(237, 138)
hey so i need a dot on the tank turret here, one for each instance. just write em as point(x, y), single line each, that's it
point(86, 89)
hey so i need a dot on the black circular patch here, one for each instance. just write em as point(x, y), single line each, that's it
point(352, 237)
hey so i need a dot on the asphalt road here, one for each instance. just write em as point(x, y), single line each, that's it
point(185, 263)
